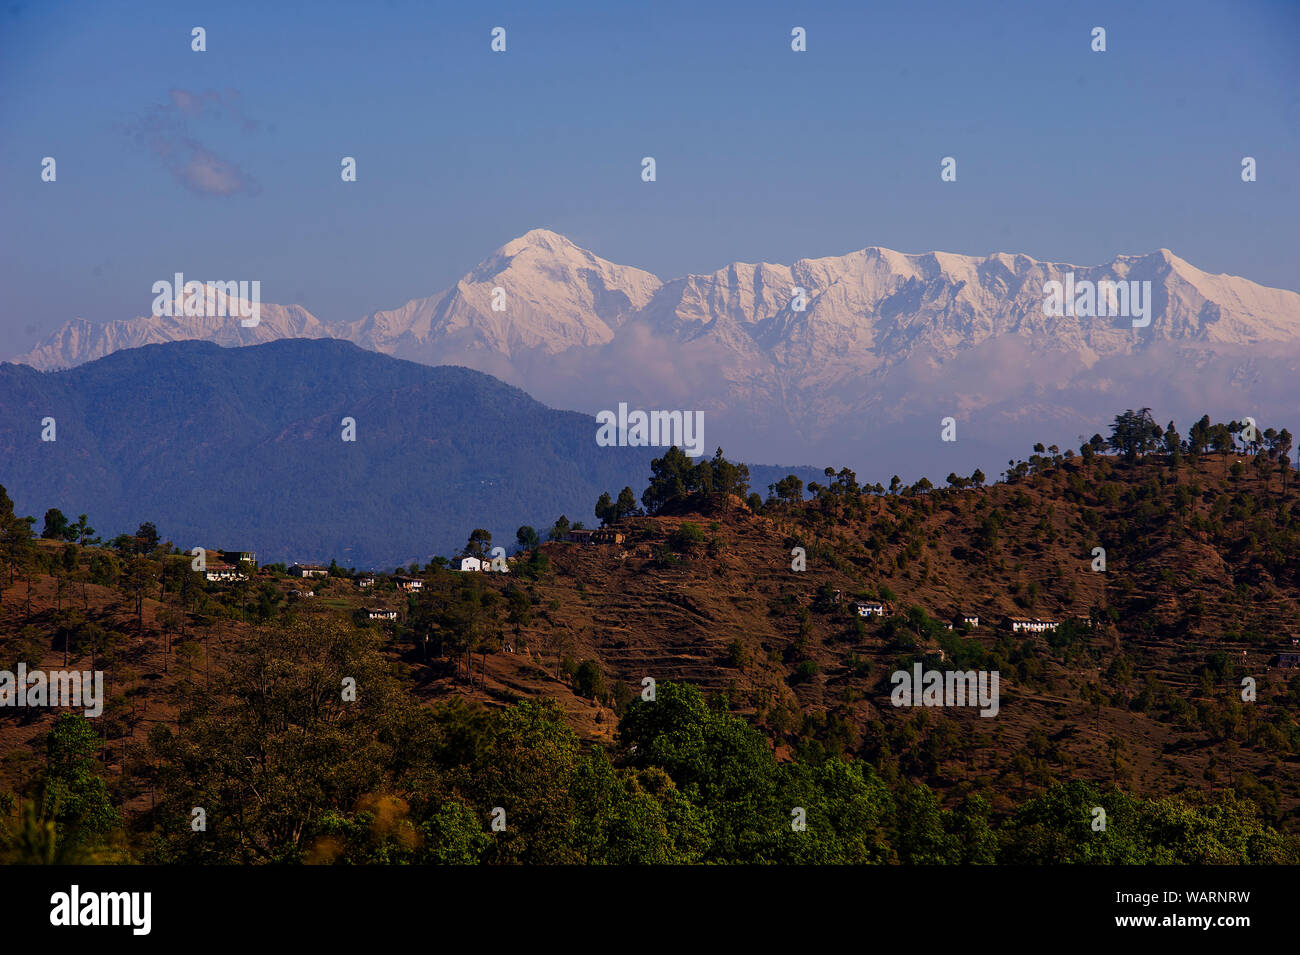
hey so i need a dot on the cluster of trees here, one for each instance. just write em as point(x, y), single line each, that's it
point(841, 501)
point(288, 771)
point(457, 616)
point(612, 511)
point(842, 487)
point(58, 528)
point(976, 479)
point(675, 478)
point(1134, 434)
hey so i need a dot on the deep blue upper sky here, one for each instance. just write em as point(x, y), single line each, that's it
point(225, 164)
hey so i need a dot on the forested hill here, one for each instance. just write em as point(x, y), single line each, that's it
point(243, 448)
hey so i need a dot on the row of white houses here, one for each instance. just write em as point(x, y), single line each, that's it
point(1032, 625)
point(875, 608)
point(223, 572)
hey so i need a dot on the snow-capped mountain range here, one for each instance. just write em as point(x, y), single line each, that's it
point(884, 346)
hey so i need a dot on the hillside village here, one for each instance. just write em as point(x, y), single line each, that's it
point(1131, 675)
point(224, 566)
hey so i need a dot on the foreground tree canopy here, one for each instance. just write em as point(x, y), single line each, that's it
point(287, 770)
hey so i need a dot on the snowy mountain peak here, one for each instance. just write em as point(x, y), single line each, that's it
point(542, 240)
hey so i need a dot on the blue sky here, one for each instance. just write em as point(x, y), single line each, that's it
point(225, 164)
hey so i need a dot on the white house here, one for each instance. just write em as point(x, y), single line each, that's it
point(223, 572)
point(471, 563)
point(970, 619)
point(302, 593)
point(308, 570)
point(1026, 625)
point(871, 608)
point(409, 583)
point(365, 582)
point(376, 614)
